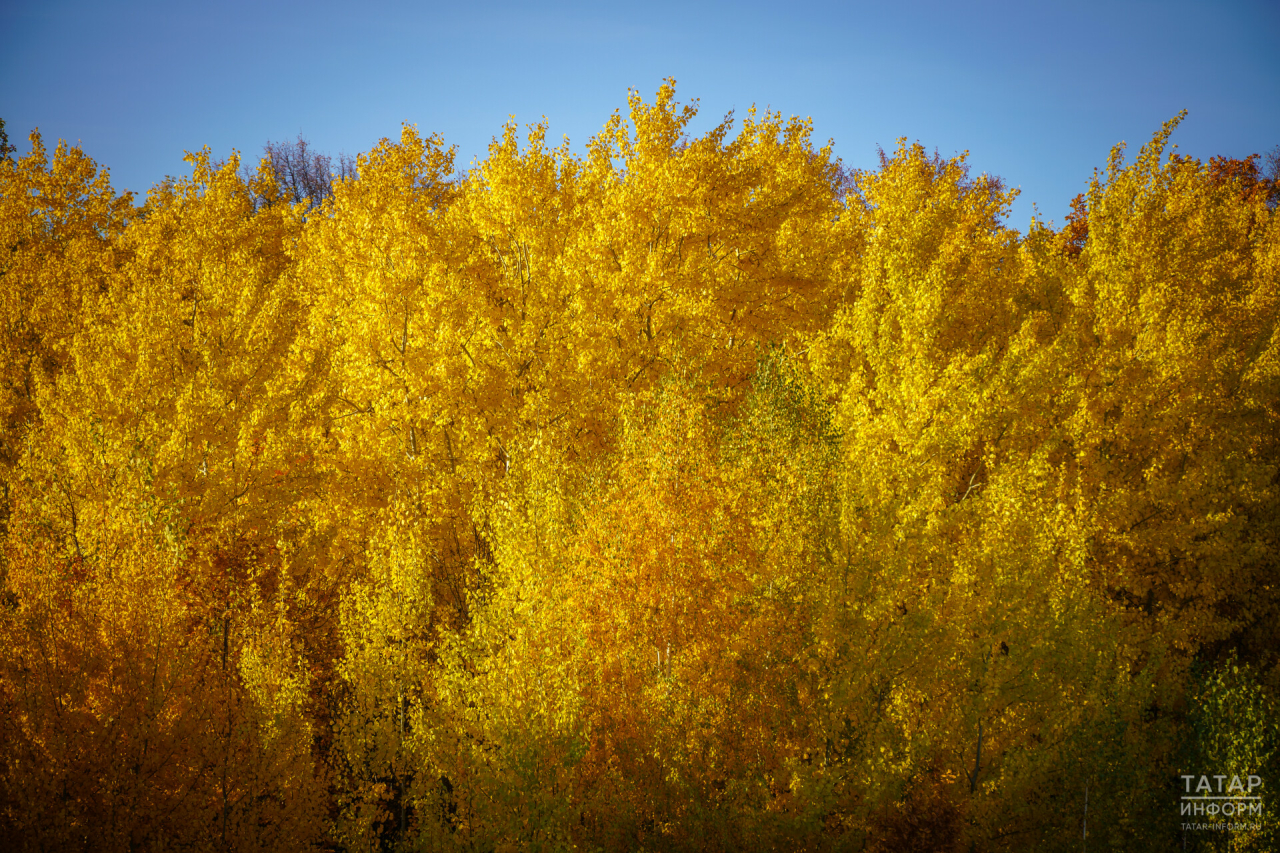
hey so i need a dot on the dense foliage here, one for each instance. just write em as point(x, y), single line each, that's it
point(686, 494)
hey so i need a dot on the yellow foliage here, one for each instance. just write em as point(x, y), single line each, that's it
point(683, 493)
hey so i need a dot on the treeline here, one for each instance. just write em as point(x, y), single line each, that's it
point(685, 494)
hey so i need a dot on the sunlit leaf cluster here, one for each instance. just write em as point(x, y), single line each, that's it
point(678, 493)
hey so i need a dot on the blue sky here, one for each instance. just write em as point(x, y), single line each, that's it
point(1038, 92)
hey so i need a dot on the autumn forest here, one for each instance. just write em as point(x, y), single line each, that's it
point(676, 493)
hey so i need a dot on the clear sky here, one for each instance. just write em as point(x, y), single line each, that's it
point(1037, 92)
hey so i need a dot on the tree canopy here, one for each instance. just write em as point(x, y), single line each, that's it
point(685, 493)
